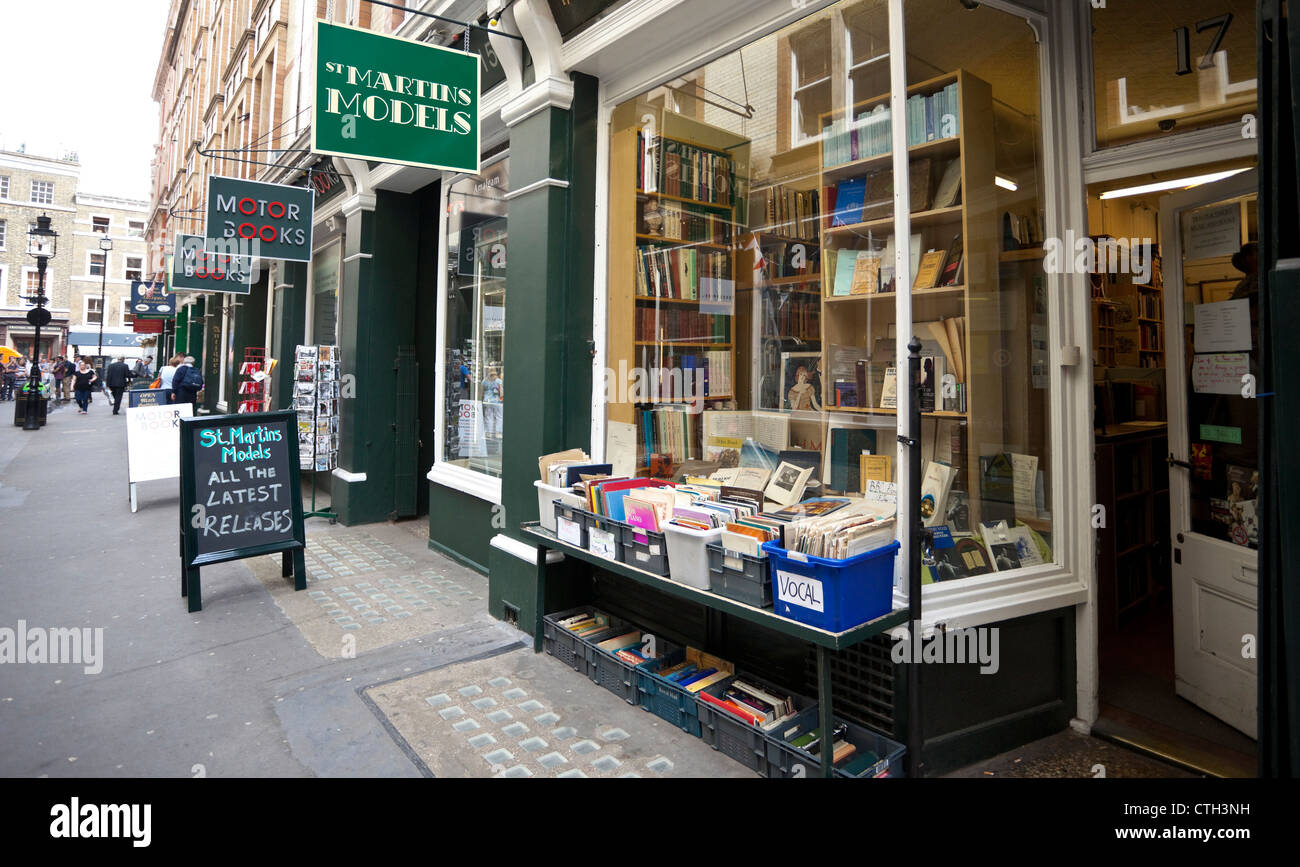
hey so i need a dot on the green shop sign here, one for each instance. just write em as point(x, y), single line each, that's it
point(195, 269)
point(394, 100)
point(251, 219)
point(1221, 434)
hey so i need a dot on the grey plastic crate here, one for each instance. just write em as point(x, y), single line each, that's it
point(786, 760)
point(614, 674)
point(644, 549)
point(741, 577)
point(560, 642)
point(573, 515)
point(603, 536)
point(734, 737)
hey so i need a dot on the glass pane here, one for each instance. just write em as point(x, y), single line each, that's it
point(475, 319)
point(752, 292)
point(1195, 69)
point(325, 295)
point(1221, 296)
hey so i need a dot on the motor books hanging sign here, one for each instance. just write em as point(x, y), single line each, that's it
point(394, 100)
point(197, 270)
point(255, 219)
point(240, 494)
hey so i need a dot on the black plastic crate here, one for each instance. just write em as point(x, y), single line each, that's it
point(609, 671)
point(787, 760)
point(668, 701)
point(572, 650)
point(644, 549)
point(570, 524)
point(741, 577)
point(738, 738)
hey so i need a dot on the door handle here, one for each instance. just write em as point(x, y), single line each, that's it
point(1246, 574)
point(1174, 462)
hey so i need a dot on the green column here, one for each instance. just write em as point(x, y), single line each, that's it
point(292, 301)
point(548, 312)
point(376, 297)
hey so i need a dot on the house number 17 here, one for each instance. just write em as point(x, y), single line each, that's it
point(1183, 37)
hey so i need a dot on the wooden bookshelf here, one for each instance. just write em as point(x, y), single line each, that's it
point(673, 339)
point(862, 320)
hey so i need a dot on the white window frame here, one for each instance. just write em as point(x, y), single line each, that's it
point(797, 136)
point(4, 234)
point(22, 287)
point(981, 599)
point(126, 311)
point(91, 254)
point(4, 186)
point(108, 227)
point(126, 266)
point(443, 472)
point(4, 284)
point(85, 309)
point(132, 233)
point(32, 192)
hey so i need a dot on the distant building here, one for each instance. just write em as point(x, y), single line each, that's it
point(32, 185)
point(123, 222)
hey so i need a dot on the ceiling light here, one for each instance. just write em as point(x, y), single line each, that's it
point(1194, 181)
point(1005, 184)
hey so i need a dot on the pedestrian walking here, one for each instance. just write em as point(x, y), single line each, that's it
point(187, 382)
point(165, 374)
point(84, 380)
point(116, 378)
point(10, 375)
point(65, 390)
point(59, 371)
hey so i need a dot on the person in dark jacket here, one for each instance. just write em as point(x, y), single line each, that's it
point(187, 382)
point(116, 378)
point(84, 379)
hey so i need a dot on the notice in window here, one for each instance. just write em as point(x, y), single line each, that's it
point(1223, 326)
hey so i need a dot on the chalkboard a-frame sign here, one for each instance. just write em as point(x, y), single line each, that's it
point(240, 494)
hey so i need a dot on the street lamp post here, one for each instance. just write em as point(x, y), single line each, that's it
point(106, 245)
point(41, 245)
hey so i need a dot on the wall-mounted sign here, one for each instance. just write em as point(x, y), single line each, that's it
point(152, 301)
point(1212, 232)
point(195, 269)
point(394, 100)
point(325, 180)
point(275, 216)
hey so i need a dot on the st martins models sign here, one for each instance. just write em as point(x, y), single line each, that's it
point(394, 100)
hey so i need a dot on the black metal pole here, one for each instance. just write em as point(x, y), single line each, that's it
point(103, 285)
point(915, 738)
point(31, 419)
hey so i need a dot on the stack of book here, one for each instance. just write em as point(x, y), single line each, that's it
point(753, 704)
point(683, 273)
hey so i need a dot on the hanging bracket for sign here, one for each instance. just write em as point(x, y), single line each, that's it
point(467, 25)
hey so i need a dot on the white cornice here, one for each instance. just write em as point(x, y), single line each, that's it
point(359, 202)
point(544, 94)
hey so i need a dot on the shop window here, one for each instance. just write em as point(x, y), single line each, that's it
point(753, 305)
point(474, 337)
point(325, 294)
point(1165, 68)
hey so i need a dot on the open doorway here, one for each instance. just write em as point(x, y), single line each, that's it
point(1175, 462)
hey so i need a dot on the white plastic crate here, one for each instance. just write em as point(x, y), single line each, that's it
point(548, 494)
point(688, 558)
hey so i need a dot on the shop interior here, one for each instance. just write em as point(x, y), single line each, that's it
point(1139, 703)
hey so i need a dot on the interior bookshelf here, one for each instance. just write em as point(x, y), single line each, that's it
point(950, 123)
point(678, 203)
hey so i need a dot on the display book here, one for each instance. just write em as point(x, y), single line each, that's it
point(316, 402)
point(678, 187)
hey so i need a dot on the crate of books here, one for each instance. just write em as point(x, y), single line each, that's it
point(642, 547)
point(570, 522)
point(604, 536)
point(668, 687)
point(615, 662)
point(564, 634)
point(794, 749)
point(688, 560)
point(738, 715)
point(742, 577)
point(547, 495)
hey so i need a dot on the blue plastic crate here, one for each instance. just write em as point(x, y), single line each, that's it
point(835, 595)
point(786, 760)
point(668, 701)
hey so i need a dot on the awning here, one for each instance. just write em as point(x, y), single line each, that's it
point(84, 339)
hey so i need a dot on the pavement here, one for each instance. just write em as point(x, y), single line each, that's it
point(387, 665)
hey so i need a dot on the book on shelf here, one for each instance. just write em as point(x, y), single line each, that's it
point(951, 274)
point(849, 198)
point(690, 172)
point(684, 274)
point(928, 273)
point(948, 192)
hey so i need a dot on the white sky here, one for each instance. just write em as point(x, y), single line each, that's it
point(96, 59)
